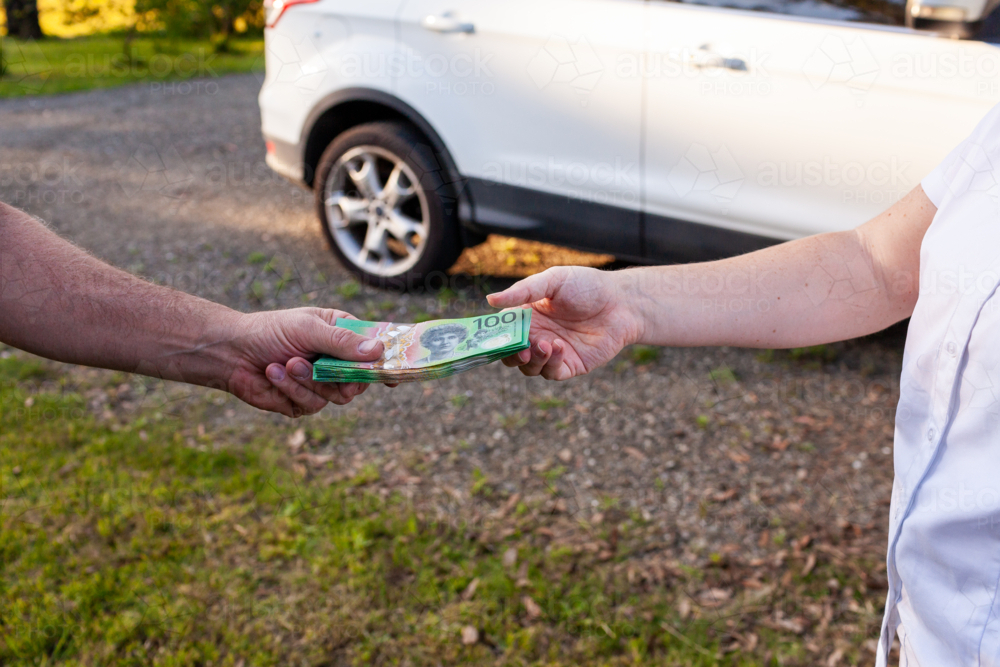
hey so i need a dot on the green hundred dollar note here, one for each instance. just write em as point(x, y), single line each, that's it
point(430, 350)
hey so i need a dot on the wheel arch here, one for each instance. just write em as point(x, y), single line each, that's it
point(350, 107)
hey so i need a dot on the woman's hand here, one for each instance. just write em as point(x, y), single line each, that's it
point(580, 321)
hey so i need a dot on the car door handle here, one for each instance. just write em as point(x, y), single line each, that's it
point(704, 58)
point(736, 64)
point(715, 61)
point(447, 23)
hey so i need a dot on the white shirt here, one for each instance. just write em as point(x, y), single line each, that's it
point(944, 527)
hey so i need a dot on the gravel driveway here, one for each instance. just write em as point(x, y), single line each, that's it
point(735, 455)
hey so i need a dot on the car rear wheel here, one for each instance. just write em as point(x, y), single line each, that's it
point(386, 212)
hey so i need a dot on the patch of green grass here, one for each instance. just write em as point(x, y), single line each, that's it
point(256, 257)
point(548, 402)
point(553, 474)
point(349, 289)
point(124, 544)
point(821, 353)
point(368, 474)
point(21, 371)
point(513, 421)
point(446, 295)
point(480, 484)
point(722, 375)
point(765, 356)
point(644, 354)
point(53, 65)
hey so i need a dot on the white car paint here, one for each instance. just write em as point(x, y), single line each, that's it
point(770, 124)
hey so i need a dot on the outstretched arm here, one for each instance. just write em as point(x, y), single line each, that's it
point(810, 291)
point(59, 302)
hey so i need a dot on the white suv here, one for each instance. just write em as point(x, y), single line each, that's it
point(650, 130)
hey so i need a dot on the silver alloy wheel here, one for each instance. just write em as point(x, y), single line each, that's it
point(377, 211)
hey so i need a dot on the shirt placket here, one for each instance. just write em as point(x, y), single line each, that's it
point(953, 347)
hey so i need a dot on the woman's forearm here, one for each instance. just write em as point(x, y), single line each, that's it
point(806, 292)
point(814, 290)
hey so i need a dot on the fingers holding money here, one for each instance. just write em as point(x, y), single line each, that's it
point(542, 358)
point(517, 359)
point(540, 352)
point(556, 368)
point(307, 397)
point(339, 393)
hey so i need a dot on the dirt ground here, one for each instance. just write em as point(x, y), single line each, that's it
point(762, 461)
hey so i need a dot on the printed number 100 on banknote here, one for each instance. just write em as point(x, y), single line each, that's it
point(411, 346)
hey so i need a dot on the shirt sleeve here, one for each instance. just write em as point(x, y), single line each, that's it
point(937, 183)
point(968, 164)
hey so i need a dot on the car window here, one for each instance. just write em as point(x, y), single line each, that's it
point(887, 12)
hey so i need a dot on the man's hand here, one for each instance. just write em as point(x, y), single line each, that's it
point(272, 351)
point(59, 302)
point(580, 321)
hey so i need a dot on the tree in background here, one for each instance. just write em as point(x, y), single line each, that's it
point(22, 19)
point(217, 20)
point(119, 16)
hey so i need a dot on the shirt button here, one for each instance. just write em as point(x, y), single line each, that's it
point(951, 347)
point(930, 434)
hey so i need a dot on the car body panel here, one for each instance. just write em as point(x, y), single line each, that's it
point(527, 100)
point(647, 129)
point(830, 123)
point(318, 48)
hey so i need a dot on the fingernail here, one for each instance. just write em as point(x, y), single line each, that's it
point(276, 373)
point(300, 371)
point(368, 346)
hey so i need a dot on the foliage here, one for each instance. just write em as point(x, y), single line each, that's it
point(216, 21)
point(59, 66)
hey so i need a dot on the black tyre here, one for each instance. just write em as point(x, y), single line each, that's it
point(387, 213)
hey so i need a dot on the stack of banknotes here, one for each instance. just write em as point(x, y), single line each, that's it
point(430, 350)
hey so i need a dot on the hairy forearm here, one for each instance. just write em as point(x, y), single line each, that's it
point(59, 302)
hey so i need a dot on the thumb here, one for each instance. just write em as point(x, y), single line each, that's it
point(342, 343)
point(534, 288)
